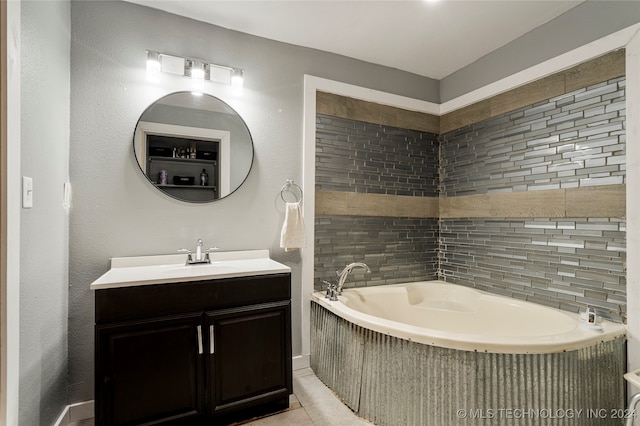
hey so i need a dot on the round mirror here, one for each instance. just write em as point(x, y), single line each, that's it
point(193, 148)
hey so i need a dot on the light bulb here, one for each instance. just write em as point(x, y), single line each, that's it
point(237, 81)
point(197, 77)
point(153, 67)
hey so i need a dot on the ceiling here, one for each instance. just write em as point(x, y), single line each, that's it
point(428, 38)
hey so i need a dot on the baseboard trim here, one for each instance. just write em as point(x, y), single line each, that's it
point(76, 412)
point(63, 420)
point(301, 361)
point(86, 410)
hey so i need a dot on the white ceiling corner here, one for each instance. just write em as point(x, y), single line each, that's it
point(428, 38)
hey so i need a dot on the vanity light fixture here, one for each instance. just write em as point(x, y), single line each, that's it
point(198, 70)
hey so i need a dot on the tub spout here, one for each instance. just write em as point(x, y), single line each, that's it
point(342, 276)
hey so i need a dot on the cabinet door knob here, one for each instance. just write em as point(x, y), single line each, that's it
point(212, 344)
point(200, 340)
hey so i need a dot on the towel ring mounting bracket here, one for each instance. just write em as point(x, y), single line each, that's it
point(293, 188)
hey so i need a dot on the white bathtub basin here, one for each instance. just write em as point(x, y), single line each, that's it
point(458, 317)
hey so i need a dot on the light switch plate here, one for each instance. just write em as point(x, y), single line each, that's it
point(27, 192)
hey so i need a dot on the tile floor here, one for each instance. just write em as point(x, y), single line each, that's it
point(312, 404)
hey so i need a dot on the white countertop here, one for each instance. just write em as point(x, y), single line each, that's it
point(162, 269)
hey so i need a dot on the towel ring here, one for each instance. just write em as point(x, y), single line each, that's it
point(291, 187)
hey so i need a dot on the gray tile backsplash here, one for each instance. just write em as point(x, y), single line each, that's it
point(396, 249)
point(570, 141)
point(573, 140)
point(370, 158)
point(565, 263)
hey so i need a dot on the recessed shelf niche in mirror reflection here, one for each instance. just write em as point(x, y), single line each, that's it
point(181, 135)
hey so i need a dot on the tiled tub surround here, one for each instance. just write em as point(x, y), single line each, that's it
point(531, 201)
point(396, 249)
point(573, 141)
point(565, 263)
point(372, 160)
point(354, 156)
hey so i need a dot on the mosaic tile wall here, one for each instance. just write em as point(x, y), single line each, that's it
point(563, 263)
point(396, 249)
point(574, 140)
point(570, 141)
point(354, 156)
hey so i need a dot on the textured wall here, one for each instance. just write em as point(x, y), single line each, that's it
point(44, 229)
point(583, 24)
point(116, 210)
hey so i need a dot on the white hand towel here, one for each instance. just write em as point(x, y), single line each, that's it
point(293, 234)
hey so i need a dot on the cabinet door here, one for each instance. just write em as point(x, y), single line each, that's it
point(250, 356)
point(150, 371)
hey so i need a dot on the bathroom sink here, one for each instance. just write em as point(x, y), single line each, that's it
point(212, 269)
point(199, 269)
point(146, 270)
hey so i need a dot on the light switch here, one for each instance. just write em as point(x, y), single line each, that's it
point(27, 192)
point(66, 200)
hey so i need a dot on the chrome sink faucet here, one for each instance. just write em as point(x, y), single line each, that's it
point(199, 251)
point(333, 291)
point(199, 259)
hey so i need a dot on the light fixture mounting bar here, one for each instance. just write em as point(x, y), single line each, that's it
point(180, 65)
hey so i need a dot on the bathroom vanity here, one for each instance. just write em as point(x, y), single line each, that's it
point(191, 344)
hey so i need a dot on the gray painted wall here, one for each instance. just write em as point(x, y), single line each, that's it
point(116, 211)
point(583, 24)
point(44, 254)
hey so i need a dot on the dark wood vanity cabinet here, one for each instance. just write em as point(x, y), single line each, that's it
point(248, 368)
point(207, 352)
point(149, 371)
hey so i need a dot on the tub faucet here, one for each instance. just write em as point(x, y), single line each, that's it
point(342, 276)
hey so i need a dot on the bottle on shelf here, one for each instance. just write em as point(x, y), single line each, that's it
point(204, 178)
point(162, 177)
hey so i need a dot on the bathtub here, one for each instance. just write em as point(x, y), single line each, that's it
point(435, 353)
point(457, 317)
